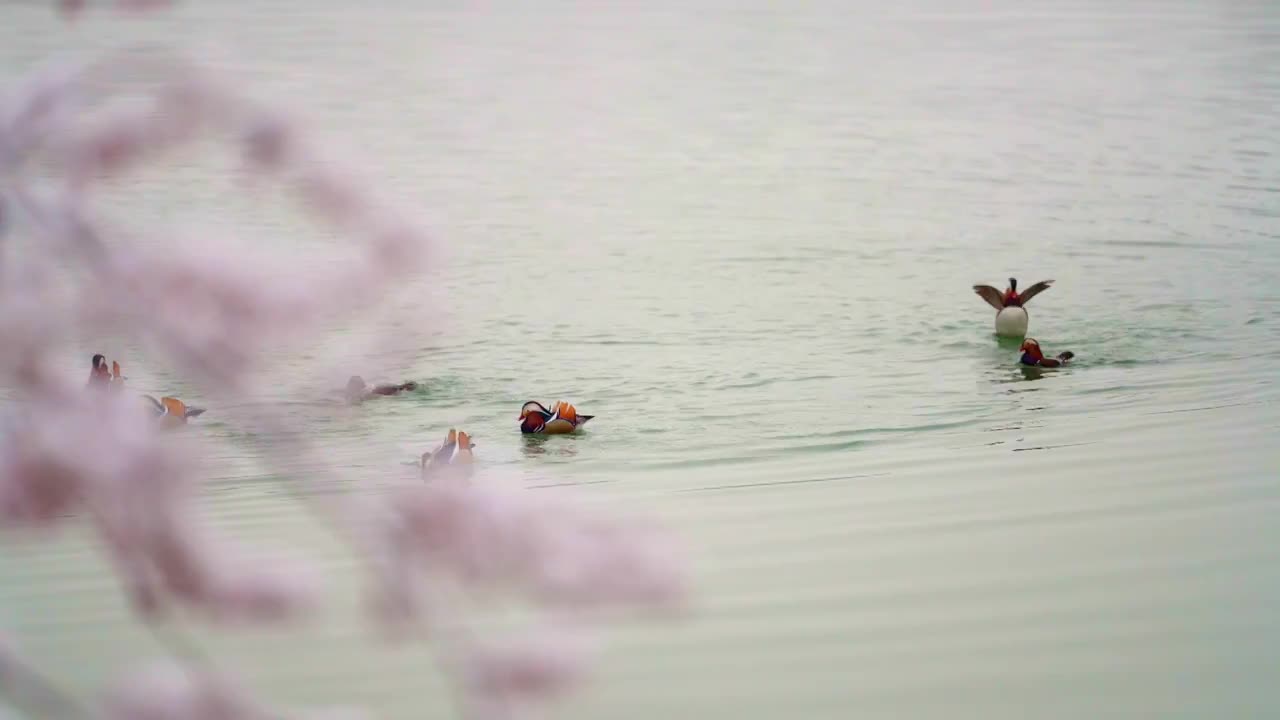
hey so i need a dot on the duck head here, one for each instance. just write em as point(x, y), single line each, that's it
point(1011, 295)
point(99, 372)
point(1032, 348)
point(533, 407)
point(533, 415)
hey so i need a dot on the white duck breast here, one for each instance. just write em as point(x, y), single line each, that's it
point(1011, 321)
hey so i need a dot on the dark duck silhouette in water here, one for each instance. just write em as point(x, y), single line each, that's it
point(1011, 311)
point(1033, 356)
point(561, 419)
point(358, 391)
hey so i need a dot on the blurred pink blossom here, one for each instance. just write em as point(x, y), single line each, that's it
point(167, 691)
point(171, 692)
point(101, 454)
point(68, 454)
point(549, 550)
point(509, 678)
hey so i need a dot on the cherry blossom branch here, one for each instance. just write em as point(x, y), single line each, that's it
point(69, 454)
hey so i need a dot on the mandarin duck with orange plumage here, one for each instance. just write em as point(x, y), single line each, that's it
point(561, 419)
point(170, 411)
point(1033, 356)
point(453, 454)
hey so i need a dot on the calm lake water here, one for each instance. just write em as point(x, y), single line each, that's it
point(743, 235)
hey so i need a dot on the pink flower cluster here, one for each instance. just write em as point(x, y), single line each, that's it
point(167, 691)
point(71, 454)
point(492, 540)
point(100, 455)
point(208, 307)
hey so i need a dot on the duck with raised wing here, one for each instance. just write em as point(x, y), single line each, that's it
point(1011, 311)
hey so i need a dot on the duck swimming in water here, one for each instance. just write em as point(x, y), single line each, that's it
point(1011, 313)
point(98, 372)
point(100, 376)
point(454, 452)
point(357, 391)
point(562, 419)
point(171, 411)
point(1032, 355)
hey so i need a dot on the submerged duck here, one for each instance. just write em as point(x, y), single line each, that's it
point(1011, 313)
point(562, 419)
point(171, 411)
point(1032, 355)
point(455, 451)
point(357, 391)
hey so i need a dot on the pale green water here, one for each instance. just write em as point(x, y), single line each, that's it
point(744, 237)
